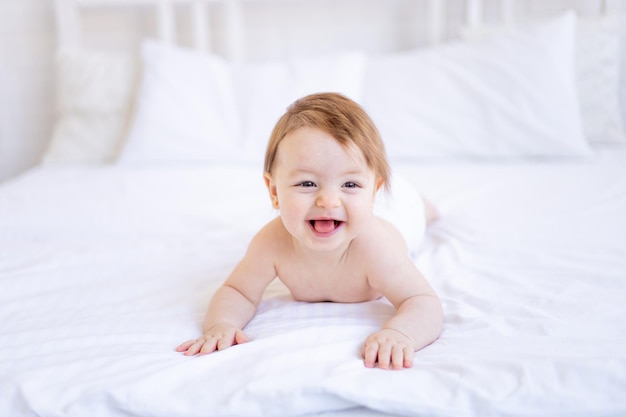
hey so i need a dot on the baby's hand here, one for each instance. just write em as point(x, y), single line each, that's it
point(388, 347)
point(218, 337)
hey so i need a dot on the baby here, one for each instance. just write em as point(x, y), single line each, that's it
point(325, 163)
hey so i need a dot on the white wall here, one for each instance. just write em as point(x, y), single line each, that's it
point(28, 41)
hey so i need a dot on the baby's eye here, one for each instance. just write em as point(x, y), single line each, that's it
point(306, 184)
point(351, 184)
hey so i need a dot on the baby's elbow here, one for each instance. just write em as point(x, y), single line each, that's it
point(439, 328)
point(437, 318)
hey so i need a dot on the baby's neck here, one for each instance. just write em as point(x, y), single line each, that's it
point(320, 257)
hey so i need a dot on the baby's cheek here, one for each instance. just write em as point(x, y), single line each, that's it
point(295, 225)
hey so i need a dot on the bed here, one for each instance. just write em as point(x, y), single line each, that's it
point(152, 187)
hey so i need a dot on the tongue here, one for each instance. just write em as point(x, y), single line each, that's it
point(324, 226)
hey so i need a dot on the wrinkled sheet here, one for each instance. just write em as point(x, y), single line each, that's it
point(105, 270)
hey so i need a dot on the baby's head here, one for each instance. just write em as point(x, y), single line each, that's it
point(341, 118)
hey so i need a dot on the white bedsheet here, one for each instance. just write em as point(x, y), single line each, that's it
point(105, 270)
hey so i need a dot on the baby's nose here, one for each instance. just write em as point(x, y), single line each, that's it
point(328, 199)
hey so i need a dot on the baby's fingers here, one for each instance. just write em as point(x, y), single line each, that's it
point(384, 355)
point(241, 337)
point(389, 349)
point(401, 357)
point(218, 338)
point(193, 347)
point(408, 357)
point(208, 345)
point(230, 338)
point(198, 346)
point(185, 345)
point(370, 354)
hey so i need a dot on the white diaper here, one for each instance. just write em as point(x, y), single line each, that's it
point(403, 207)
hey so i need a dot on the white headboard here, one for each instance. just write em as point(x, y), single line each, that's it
point(209, 22)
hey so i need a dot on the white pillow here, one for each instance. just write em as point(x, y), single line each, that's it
point(265, 90)
point(197, 107)
point(597, 65)
point(598, 72)
point(185, 108)
point(94, 97)
point(510, 95)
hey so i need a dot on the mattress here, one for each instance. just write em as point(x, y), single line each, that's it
point(104, 270)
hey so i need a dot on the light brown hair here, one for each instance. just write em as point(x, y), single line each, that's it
point(341, 118)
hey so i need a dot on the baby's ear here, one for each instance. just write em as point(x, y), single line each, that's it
point(271, 188)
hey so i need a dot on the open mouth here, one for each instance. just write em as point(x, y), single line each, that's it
point(325, 225)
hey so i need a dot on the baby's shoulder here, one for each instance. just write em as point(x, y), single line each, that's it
point(270, 237)
point(383, 250)
point(382, 237)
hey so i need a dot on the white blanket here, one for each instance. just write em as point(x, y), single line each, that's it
point(105, 270)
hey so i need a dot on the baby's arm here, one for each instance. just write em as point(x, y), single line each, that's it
point(419, 316)
point(417, 324)
point(228, 313)
point(234, 304)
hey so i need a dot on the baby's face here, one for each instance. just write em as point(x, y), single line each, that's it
point(325, 192)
